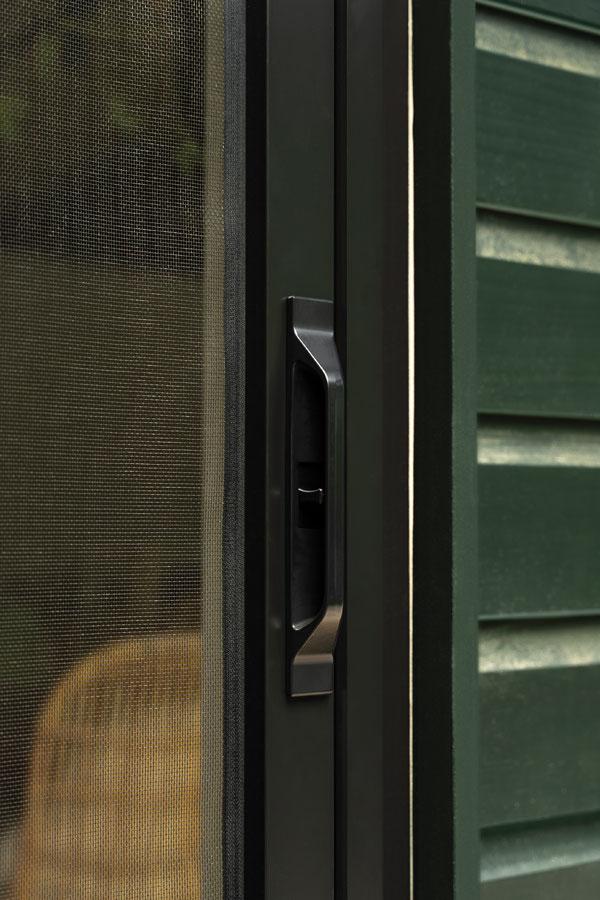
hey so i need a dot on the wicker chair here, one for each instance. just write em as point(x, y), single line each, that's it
point(113, 807)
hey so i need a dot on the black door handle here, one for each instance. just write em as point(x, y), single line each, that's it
point(315, 496)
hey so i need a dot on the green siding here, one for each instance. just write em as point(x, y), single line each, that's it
point(539, 540)
point(539, 742)
point(574, 841)
point(568, 883)
point(558, 859)
point(538, 340)
point(580, 13)
point(538, 147)
point(538, 139)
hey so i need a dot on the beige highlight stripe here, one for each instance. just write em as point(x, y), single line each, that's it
point(525, 647)
point(537, 243)
point(537, 42)
point(506, 444)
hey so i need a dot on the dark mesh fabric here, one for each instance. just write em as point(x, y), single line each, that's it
point(111, 419)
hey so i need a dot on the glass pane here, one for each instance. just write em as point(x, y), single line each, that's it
point(112, 393)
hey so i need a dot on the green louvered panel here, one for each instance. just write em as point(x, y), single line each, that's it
point(539, 541)
point(542, 860)
point(540, 771)
point(538, 150)
point(540, 737)
point(538, 139)
point(556, 883)
point(581, 13)
point(538, 340)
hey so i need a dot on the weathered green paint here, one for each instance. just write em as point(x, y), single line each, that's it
point(538, 333)
point(538, 139)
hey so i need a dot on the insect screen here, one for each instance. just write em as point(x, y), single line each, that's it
point(114, 451)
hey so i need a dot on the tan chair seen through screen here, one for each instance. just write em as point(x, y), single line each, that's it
point(113, 806)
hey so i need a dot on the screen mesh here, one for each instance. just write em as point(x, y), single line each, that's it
point(112, 404)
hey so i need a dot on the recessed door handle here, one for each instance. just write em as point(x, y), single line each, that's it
point(316, 458)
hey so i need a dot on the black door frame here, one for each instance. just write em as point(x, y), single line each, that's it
point(290, 172)
point(445, 562)
point(371, 792)
point(373, 290)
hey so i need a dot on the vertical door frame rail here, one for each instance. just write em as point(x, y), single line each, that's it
point(373, 760)
point(406, 273)
point(445, 570)
point(371, 791)
point(289, 817)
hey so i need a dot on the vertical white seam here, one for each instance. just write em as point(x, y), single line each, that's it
point(411, 430)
